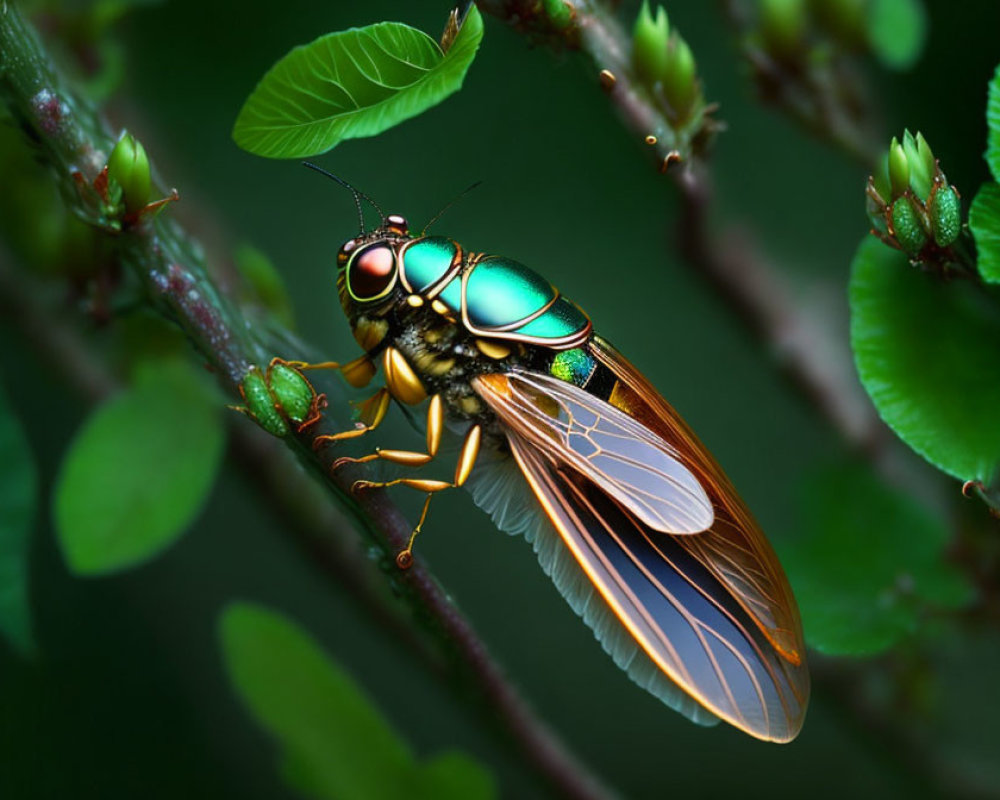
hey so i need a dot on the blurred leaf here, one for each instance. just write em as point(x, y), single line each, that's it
point(351, 84)
point(992, 153)
point(452, 774)
point(927, 351)
point(18, 500)
point(897, 30)
point(139, 471)
point(984, 221)
point(266, 282)
point(335, 743)
point(869, 565)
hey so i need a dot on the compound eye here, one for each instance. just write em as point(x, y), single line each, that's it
point(372, 272)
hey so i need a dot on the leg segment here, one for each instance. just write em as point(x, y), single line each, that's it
point(372, 413)
point(409, 458)
point(466, 460)
point(358, 372)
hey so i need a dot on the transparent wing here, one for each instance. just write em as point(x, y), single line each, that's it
point(735, 548)
point(498, 487)
point(706, 622)
point(624, 458)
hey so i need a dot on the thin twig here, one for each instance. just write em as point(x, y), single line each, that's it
point(753, 289)
point(74, 141)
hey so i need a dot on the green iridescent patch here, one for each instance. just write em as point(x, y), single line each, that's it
point(573, 366)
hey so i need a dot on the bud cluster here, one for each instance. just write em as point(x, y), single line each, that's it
point(664, 62)
point(795, 30)
point(910, 203)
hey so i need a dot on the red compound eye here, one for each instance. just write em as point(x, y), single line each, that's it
point(372, 272)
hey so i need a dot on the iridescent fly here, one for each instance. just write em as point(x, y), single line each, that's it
point(567, 443)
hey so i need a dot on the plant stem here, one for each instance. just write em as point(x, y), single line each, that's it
point(74, 140)
point(754, 290)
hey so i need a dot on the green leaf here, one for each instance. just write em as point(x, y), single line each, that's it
point(452, 774)
point(869, 565)
point(18, 500)
point(139, 471)
point(984, 222)
point(992, 153)
point(897, 30)
point(927, 352)
point(334, 743)
point(352, 84)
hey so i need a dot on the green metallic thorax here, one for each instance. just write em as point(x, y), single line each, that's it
point(492, 296)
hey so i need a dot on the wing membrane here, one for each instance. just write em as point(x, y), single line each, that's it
point(712, 612)
point(685, 620)
point(736, 550)
point(623, 457)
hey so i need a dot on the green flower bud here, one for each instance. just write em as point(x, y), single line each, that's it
point(649, 44)
point(558, 12)
point(899, 169)
point(260, 403)
point(946, 215)
point(920, 161)
point(783, 24)
point(294, 393)
point(907, 226)
point(679, 82)
point(128, 166)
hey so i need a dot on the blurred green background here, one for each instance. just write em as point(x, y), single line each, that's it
point(129, 698)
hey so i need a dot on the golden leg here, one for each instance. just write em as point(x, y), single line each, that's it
point(358, 372)
point(409, 458)
point(373, 411)
point(466, 460)
point(404, 559)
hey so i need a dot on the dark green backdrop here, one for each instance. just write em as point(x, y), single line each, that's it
point(130, 699)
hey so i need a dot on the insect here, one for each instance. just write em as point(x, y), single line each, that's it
point(566, 442)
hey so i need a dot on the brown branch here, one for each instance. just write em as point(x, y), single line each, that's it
point(74, 140)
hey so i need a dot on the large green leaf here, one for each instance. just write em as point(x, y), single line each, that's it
point(351, 84)
point(984, 221)
point(139, 471)
point(897, 30)
point(993, 122)
point(869, 563)
point(928, 353)
point(334, 743)
point(18, 500)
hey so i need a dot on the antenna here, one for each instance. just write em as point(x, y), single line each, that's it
point(449, 204)
point(358, 194)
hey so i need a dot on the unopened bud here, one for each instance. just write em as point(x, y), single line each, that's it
point(128, 166)
point(899, 169)
point(649, 44)
point(945, 211)
point(679, 83)
point(560, 14)
point(920, 162)
point(907, 226)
